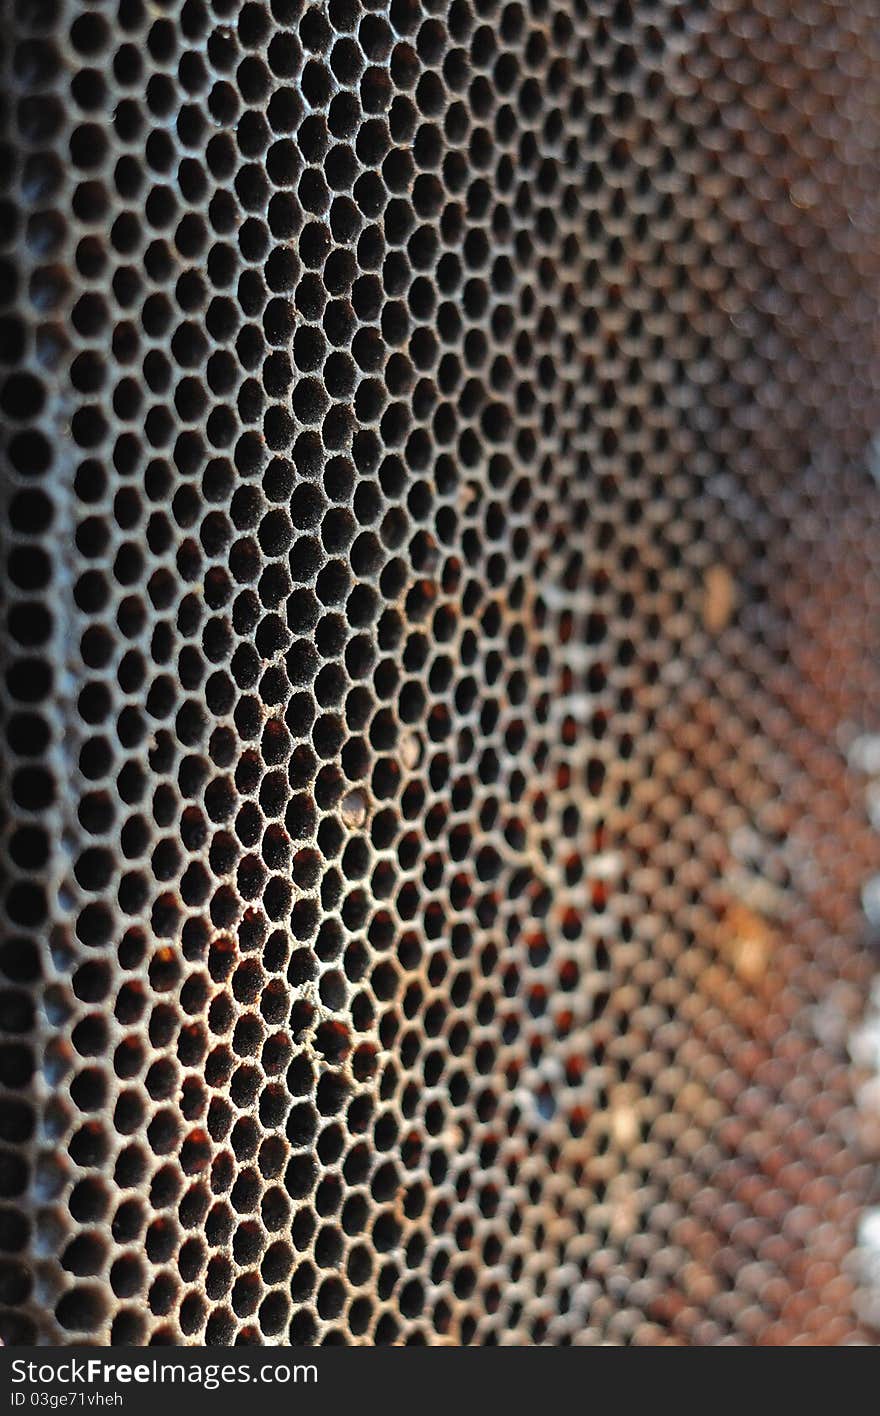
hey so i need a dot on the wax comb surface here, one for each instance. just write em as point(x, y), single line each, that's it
point(440, 668)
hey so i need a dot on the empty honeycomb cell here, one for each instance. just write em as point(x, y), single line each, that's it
point(440, 597)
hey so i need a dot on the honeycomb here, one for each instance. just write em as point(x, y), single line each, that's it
point(440, 510)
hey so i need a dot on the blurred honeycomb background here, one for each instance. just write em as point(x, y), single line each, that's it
point(440, 680)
